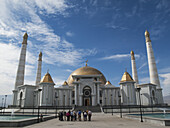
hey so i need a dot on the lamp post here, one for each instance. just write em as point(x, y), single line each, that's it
point(5, 103)
point(46, 105)
point(129, 104)
point(64, 102)
point(112, 104)
point(120, 106)
point(33, 102)
point(2, 104)
point(105, 105)
point(152, 103)
point(142, 102)
point(39, 90)
point(138, 89)
point(56, 105)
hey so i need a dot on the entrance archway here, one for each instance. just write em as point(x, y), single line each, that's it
point(87, 96)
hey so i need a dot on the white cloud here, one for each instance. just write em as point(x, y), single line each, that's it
point(68, 70)
point(70, 34)
point(165, 83)
point(143, 65)
point(9, 56)
point(144, 80)
point(52, 6)
point(18, 17)
point(119, 56)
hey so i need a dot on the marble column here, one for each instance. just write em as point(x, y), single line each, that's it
point(38, 77)
point(75, 91)
point(134, 70)
point(21, 65)
point(154, 78)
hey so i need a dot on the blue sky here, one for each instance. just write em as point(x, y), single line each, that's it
point(69, 32)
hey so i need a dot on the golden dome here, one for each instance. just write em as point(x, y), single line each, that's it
point(86, 71)
point(146, 33)
point(108, 82)
point(47, 79)
point(126, 77)
point(65, 83)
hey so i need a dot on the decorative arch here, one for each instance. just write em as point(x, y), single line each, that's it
point(87, 100)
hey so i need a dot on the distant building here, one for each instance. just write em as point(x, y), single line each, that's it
point(87, 86)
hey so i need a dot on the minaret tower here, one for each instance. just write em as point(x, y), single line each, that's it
point(134, 70)
point(38, 77)
point(154, 78)
point(21, 66)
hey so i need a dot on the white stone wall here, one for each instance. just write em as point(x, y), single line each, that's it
point(128, 93)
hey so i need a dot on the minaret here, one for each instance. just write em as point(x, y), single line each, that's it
point(154, 78)
point(38, 77)
point(21, 66)
point(134, 70)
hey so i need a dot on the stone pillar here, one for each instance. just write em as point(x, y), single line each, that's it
point(134, 70)
point(15, 97)
point(98, 94)
point(38, 77)
point(154, 78)
point(75, 91)
point(21, 66)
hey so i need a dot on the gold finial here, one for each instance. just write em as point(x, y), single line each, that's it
point(47, 71)
point(25, 37)
point(86, 62)
point(40, 56)
point(65, 83)
point(132, 55)
point(147, 36)
point(125, 69)
point(108, 82)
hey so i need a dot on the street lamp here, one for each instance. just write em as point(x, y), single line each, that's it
point(64, 102)
point(56, 105)
point(112, 104)
point(138, 89)
point(2, 104)
point(120, 106)
point(152, 103)
point(5, 103)
point(105, 105)
point(33, 102)
point(39, 90)
point(129, 104)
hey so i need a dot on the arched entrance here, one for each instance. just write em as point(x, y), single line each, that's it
point(87, 96)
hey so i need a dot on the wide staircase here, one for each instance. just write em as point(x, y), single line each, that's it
point(91, 108)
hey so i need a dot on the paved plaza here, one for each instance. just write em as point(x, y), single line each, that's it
point(99, 120)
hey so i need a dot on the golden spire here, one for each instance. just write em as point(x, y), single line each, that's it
point(132, 55)
point(65, 83)
point(147, 36)
point(25, 37)
point(40, 56)
point(126, 77)
point(108, 83)
point(86, 62)
point(47, 78)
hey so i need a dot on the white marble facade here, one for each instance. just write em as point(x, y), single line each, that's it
point(87, 86)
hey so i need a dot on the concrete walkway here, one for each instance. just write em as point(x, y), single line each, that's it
point(99, 120)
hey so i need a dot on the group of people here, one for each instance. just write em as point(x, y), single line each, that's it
point(74, 116)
